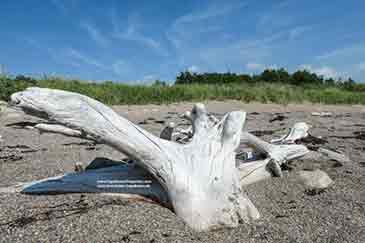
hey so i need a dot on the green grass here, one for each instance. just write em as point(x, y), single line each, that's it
point(116, 94)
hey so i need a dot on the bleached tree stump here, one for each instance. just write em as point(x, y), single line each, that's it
point(200, 177)
point(198, 180)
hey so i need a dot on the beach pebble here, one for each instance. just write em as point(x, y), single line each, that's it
point(322, 114)
point(315, 180)
point(2, 106)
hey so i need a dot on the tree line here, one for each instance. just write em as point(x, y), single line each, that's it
point(300, 77)
point(278, 77)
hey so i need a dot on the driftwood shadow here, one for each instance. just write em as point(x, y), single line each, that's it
point(58, 211)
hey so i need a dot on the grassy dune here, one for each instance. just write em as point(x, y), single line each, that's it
point(116, 93)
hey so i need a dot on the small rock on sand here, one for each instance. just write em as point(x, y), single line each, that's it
point(316, 180)
point(2, 106)
point(322, 114)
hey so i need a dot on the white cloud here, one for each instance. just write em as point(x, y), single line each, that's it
point(255, 66)
point(361, 66)
point(193, 69)
point(149, 77)
point(132, 33)
point(95, 34)
point(325, 71)
point(252, 66)
point(272, 66)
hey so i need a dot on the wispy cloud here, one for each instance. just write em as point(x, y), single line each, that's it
point(193, 69)
point(73, 57)
point(361, 66)
point(188, 25)
point(64, 6)
point(298, 31)
point(284, 4)
point(121, 68)
point(78, 56)
point(325, 71)
point(275, 18)
point(95, 34)
point(32, 42)
point(133, 33)
point(255, 66)
point(149, 78)
point(62, 56)
point(241, 51)
point(222, 54)
point(342, 52)
point(188, 35)
point(60, 5)
point(252, 66)
point(211, 11)
point(40, 47)
point(279, 17)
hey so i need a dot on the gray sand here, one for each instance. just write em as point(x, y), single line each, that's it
point(289, 213)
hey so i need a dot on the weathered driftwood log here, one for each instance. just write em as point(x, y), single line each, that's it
point(199, 180)
point(200, 177)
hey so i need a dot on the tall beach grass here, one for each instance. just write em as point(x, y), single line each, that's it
point(117, 93)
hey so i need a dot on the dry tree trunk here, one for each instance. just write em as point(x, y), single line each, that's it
point(199, 180)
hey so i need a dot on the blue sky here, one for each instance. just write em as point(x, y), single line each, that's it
point(139, 41)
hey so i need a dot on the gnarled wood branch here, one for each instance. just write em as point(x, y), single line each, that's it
point(276, 154)
point(59, 129)
point(298, 131)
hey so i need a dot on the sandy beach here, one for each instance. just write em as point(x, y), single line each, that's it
point(288, 212)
